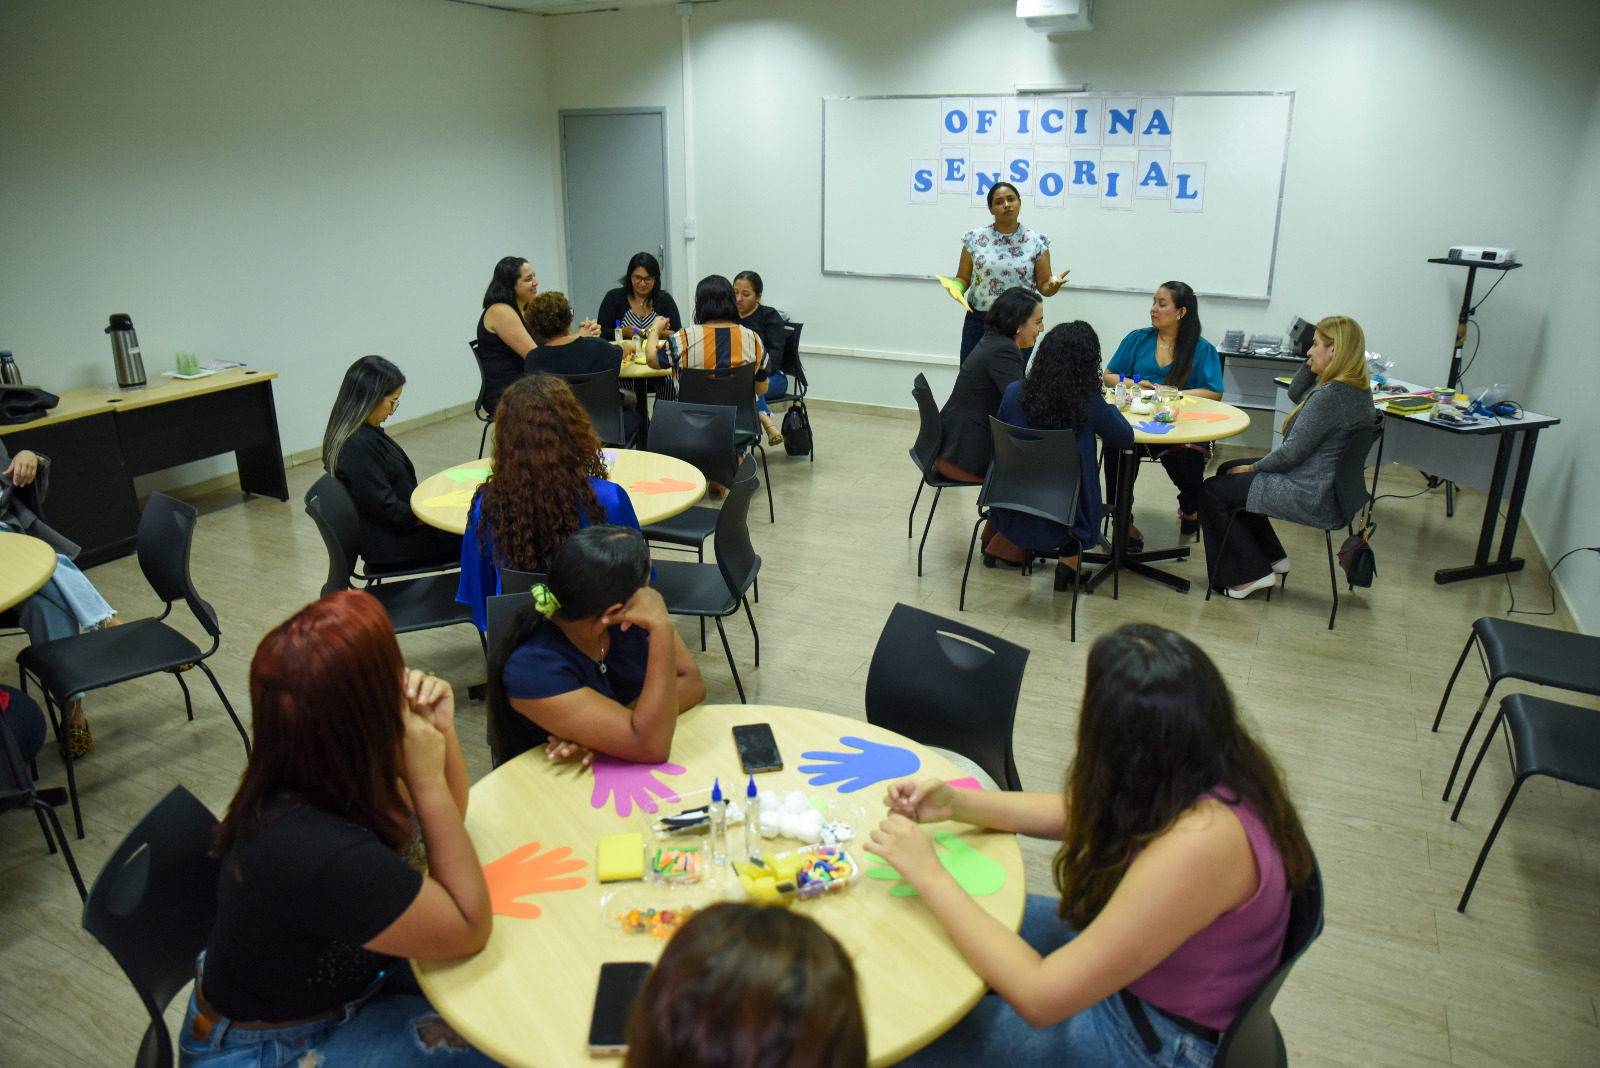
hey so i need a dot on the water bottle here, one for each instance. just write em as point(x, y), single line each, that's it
point(125, 352)
point(1122, 391)
point(9, 373)
point(617, 334)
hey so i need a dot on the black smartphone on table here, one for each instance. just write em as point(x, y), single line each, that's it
point(758, 749)
point(614, 997)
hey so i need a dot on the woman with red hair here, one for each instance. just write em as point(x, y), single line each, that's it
point(343, 851)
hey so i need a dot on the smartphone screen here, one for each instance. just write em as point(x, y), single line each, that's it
point(619, 986)
point(758, 749)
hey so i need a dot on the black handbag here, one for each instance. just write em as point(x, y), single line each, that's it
point(796, 431)
point(24, 404)
point(1356, 557)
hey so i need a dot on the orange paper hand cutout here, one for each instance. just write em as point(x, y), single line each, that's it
point(1207, 417)
point(520, 873)
point(663, 485)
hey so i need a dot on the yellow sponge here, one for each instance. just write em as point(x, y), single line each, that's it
point(621, 857)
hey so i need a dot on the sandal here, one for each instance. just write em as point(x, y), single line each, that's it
point(79, 741)
point(774, 437)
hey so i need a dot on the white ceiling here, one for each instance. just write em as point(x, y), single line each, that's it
point(569, 7)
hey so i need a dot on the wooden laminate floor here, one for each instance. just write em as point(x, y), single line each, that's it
point(1399, 977)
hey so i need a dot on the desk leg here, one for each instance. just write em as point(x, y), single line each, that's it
point(1519, 490)
point(1480, 566)
point(641, 404)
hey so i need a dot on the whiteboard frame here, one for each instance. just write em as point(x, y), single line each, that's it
point(1277, 218)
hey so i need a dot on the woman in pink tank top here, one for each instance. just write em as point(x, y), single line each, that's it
point(1179, 852)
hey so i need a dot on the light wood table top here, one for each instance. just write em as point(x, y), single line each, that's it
point(96, 400)
point(1199, 420)
point(526, 999)
point(636, 369)
point(26, 563)
point(659, 486)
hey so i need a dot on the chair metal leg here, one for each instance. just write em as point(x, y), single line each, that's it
point(1452, 683)
point(772, 516)
point(971, 542)
point(66, 850)
point(1483, 854)
point(1488, 740)
point(217, 686)
point(188, 702)
point(912, 515)
point(755, 586)
point(1076, 581)
point(38, 810)
point(753, 632)
point(1467, 737)
point(58, 727)
point(931, 509)
point(1333, 578)
point(731, 667)
point(702, 634)
point(483, 440)
point(1221, 548)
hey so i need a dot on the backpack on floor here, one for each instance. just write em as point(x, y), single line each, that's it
point(796, 431)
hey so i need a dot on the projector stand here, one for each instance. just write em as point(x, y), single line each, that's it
point(1467, 309)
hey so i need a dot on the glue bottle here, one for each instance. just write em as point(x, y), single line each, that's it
point(1122, 391)
point(617, 335)
point(719, 825)
point(752, 821)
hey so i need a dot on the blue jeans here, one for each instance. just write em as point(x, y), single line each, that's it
point(1100, 1036)
point(383, 1032)
point(64, 606)
point(777, 385)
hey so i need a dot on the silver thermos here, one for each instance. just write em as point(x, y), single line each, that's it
point(125, 352)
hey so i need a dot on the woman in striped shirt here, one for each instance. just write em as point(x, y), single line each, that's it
point(716, 341)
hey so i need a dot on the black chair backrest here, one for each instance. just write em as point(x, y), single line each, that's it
point(1253, 1037)
point(698, 434)
point(152, 907)
point(598, 394)
point(518, 581)
point(790, 363)
point(501, 610)
point(16, 783)
point(735, 388)
point(329, 505)
point(479, 408)
point(948, 685)
point(1349, 478)
point(929, 430)
point(166, 534)
point(736, 557)
point(1033, 471)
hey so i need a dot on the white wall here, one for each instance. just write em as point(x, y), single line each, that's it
point(292, 184)
point(1418, 124)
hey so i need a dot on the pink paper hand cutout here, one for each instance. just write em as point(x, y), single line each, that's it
point(521, 872)
point(630, 782)
point(1205, 417)
point(660, 485)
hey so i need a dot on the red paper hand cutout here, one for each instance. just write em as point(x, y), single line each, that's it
point(520, 873)
point(1205, 417)
point(661, 485)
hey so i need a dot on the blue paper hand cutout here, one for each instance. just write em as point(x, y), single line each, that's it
point(1152, 426)
point(854, 771)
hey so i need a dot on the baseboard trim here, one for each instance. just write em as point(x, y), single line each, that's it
point(883, 411)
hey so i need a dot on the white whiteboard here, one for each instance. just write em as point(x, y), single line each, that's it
point(870, 226)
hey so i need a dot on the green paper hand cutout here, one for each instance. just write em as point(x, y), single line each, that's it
point(978, 874)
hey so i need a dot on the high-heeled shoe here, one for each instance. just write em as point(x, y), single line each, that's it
point(1188, 526)
point(1280, 567)
point(992, 561)
point(1265, 582)
point(1064, 576)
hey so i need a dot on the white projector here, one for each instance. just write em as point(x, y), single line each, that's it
point(1481, 254)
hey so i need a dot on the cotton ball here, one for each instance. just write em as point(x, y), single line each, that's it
point(796, 802)
point(771, 819)
point(790, 827)
point(810, 816)
point(770, 801)
point(810, 831)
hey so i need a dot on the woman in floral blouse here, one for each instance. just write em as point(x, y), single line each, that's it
point(996, 257)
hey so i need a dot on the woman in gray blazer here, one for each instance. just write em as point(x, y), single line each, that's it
point(1295, 480)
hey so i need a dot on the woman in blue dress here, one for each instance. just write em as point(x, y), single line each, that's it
point(1061, 392)
point(1170, 351)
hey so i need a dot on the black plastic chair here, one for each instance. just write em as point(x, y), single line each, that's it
point(930, 436)
point(701, 435)
point(599, 396)
point(71, 666)
point(736, 390)
point(413, 604)
point(1036, 472)
point(1541, 655)
point(152, 907)
point(480, 407)
point(1350, 492)
point(1547, 738)
point(365, 575)
point(17, 791)
point(1253, 1039)
point(948, 685)
point(516, 582)
point(501, 610)
point(717, 590)
point(790, 365)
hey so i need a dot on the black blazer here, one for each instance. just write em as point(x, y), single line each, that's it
point(379, 475)
point(993, 364)
point(615, 306)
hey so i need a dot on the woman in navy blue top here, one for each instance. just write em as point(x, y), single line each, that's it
point(1061, 392)
point(594, 663)
point(1171, 352)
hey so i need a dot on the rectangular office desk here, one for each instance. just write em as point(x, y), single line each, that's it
point(1495, 457)
point(99, 441)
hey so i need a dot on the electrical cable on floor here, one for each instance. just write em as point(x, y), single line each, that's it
point(1550, 578)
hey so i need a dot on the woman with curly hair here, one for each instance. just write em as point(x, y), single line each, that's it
point(1061, 392)
point(549, 479)
point(1180, 850)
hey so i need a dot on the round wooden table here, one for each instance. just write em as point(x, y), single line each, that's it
point(1198, 420)
point(526, 999)
point(26, 563)
point(659, 486)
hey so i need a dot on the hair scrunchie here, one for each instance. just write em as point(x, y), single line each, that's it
point(544, 600)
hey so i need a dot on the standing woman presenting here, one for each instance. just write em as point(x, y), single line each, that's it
point(996, 257)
